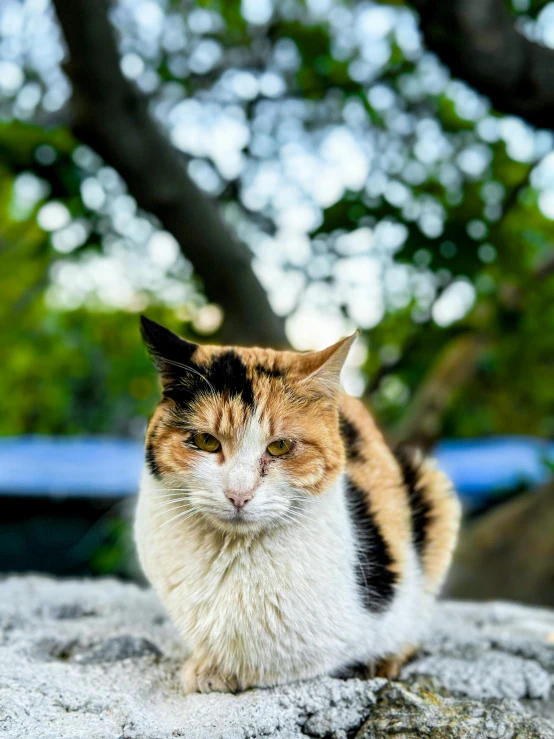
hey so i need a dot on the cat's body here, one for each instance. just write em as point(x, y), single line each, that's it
point(341, 557)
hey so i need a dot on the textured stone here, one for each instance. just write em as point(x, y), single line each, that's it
point(416, 712)
point(99, 660)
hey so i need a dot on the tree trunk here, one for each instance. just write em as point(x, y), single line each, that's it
point(479, 41)
point(458, 363)
point(111, 115)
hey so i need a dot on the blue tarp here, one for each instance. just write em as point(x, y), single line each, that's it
point(480, 468)
point(104, 467)
point(77, 466)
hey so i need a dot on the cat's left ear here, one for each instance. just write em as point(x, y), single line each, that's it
point(169, 352)
point(322, 369)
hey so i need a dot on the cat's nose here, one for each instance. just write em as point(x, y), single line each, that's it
point(239, 500)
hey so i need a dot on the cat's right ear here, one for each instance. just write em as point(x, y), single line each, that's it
point(170, 353)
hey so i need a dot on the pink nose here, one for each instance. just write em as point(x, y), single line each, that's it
point(239, 500)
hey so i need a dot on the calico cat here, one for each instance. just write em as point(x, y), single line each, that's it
point(282, 534)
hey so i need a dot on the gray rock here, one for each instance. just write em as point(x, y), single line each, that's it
point(117, 648)
point(99, 660)
point(409, 712)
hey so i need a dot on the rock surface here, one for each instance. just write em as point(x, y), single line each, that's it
point(100, 660)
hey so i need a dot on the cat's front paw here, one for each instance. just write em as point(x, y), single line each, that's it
point(198, 676)
point(390, 667)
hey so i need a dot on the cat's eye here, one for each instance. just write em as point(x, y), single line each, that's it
point(206, 442)
point(279, 447)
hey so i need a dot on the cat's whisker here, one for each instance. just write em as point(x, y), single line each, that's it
point(174, 496)
point(178, 491)
point(291, 513)
point(169, 498)
point(284, 514)
point(183, 515)
point(179, 519)
point(290, 519)
point(173, 487)
point(170, 491)
point(302, 519)
point(164, 512)
point(166, 504)
point(303, 514)
point(305, 500)
point(165, 490)
point(163, 504)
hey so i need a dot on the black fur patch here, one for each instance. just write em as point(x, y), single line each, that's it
point(268, 371)
point(183, 379)
point(375, 578)
point(354, 670)
point(227, 373)
point(351, 439)
point(420, 508)
point(151, 461)
point(167, 349)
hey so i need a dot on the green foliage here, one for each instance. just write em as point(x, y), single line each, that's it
point(530, 8)
point(62, 371)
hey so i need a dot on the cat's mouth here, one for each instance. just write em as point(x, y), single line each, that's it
point(246, 519)
point(238, 520)
point(242, 516)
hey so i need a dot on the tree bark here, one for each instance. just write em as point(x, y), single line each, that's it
point(110, 114)
point(458, 363)
point(480, 43)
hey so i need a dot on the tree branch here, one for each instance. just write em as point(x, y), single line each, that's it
point(111, 115)
point(421, 426)
point(479, 41)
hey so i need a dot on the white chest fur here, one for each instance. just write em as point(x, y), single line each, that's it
point(285, 602)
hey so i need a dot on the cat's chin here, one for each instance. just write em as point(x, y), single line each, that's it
point(241, 522)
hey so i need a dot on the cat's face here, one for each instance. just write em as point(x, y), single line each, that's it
point(243, 438)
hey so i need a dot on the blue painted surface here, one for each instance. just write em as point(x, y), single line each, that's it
point(78, 466)
point(480, 468)
point(108, 467)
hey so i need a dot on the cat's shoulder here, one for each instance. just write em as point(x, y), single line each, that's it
point(358, 428)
